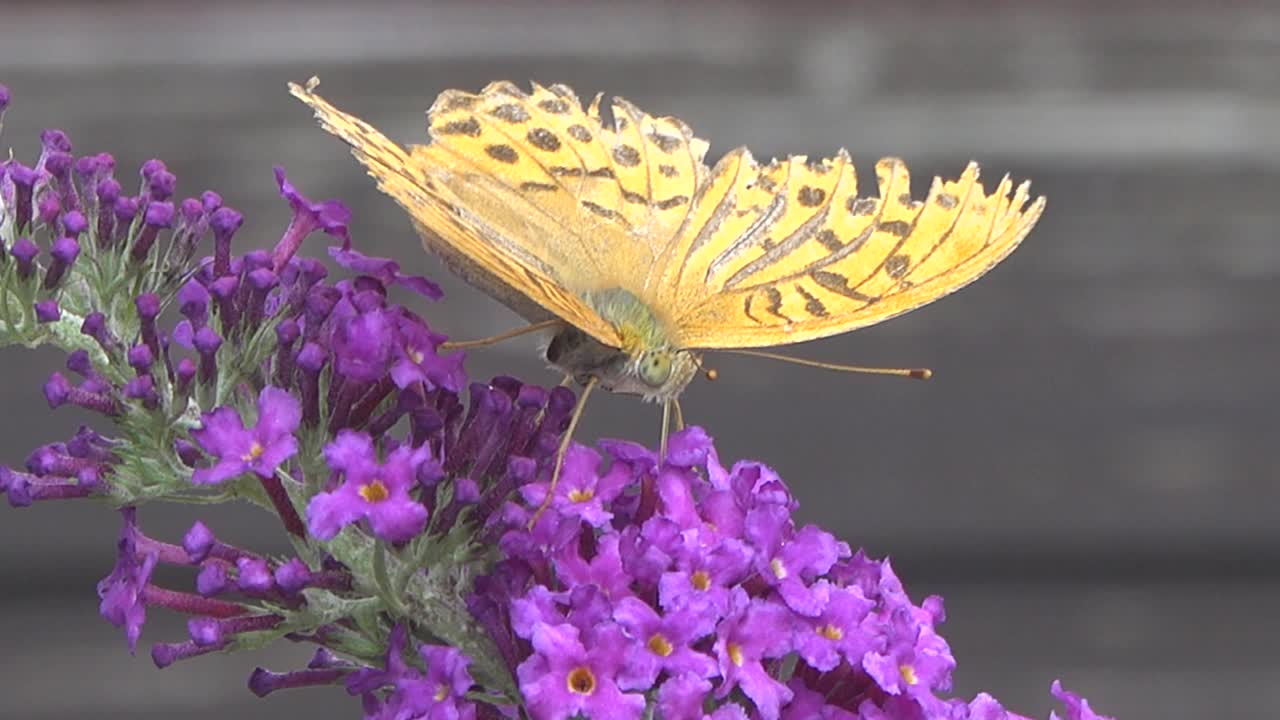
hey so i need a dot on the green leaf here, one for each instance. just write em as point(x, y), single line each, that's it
point(325, 607)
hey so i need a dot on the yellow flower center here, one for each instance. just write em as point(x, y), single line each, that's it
point(416, 355)
point(581, 680)
point(735, 653)
point(442, 692)
point(581, 496)
point(701, 581)
point(375, 491)
point(779, 570)
point(831, 632)
point(908, 674)
point(255, 452)
point(659, 645)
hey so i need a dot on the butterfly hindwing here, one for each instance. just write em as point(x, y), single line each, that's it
point(817, 259)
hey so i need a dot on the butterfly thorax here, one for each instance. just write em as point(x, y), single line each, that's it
point(646, 364)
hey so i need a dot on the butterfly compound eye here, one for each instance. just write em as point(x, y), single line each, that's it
point(655, 368)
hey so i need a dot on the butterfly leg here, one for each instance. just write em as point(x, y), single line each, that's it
point(495, 339)
point(666, 424)
point(564, 447)
point(669, 408)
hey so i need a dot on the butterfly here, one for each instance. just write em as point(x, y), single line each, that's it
point(643, 257)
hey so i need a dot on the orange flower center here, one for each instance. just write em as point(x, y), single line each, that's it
point(581, 680)
point(255, 452)
point(701, 581)
point(735, 653)
point(831, 632)
point(581, 496)
point(660, 645)
point(442, 692)
point(375, 491)
point(908, 674)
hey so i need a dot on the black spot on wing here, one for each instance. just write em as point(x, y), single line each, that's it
point(598, 209)
point(775, 303)
point(510, 112)
point(543, 139)
point(818, 167)
point(459, 102)
point(810, 196)
point(555, 106)
point(746, 309)
point(896, 228)
point(531, 185)
point(829, 240)
point(812, 304)
point(626, 156)
point(860, 206)
point(897, 265)
point(839, 284)
point(469, 127)
point(666, 143)
point(502, 153)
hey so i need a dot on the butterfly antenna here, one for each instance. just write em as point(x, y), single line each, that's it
point(495, 339)
point(560, 452)
point(708, 373)
point(913, 373)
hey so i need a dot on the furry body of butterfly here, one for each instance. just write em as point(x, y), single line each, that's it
point(646, 256)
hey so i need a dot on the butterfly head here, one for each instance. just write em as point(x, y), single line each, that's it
point(646, 364)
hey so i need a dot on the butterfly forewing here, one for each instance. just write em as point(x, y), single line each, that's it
point(589, 202)
point(462, 234)
point(659, 168)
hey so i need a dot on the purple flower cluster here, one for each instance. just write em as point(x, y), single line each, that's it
point(689, 585)
point(653, 587)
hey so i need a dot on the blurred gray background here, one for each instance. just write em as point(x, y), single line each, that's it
point(1091, 478)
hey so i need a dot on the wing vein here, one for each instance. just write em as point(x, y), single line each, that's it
point(797, 238)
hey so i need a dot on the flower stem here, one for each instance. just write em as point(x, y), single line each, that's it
point(284, 506)
point(190, 604)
